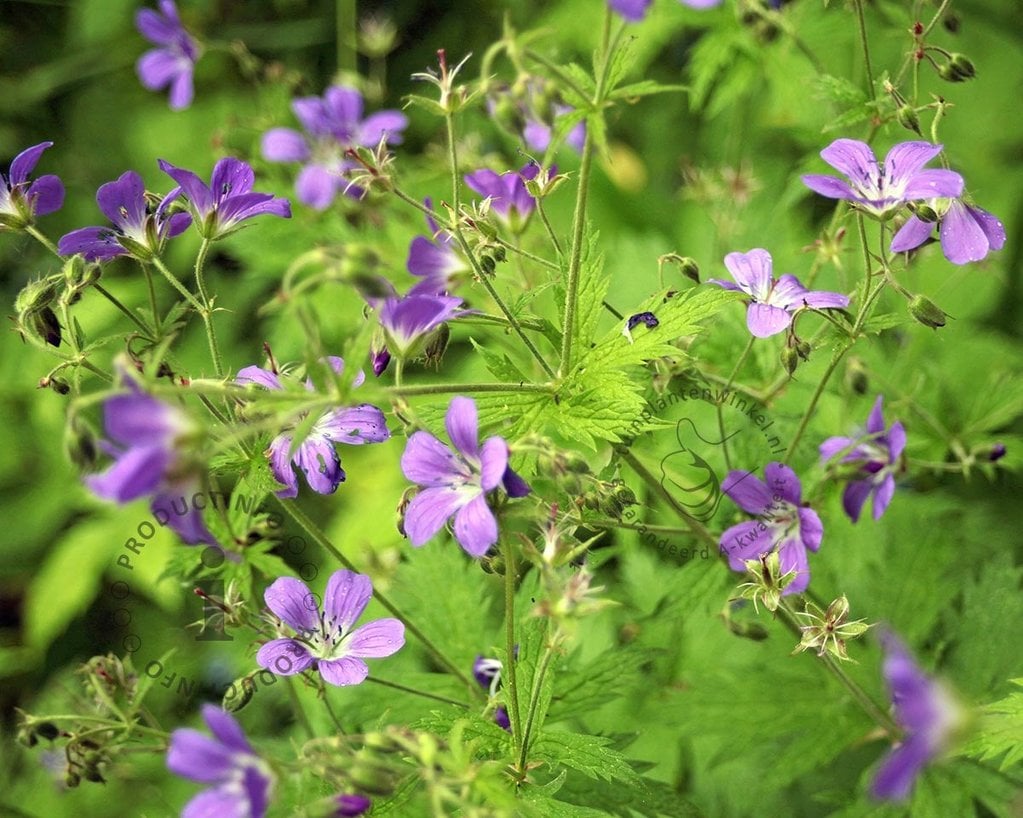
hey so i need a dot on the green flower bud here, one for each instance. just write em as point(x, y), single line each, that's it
point(44, 325)
point(789, 359)
point(907, 118)
point(436, 345)
point(856, 376)
point(74, 271)
point(36, 295)
point(926, 214)
point(962, 67)
point(239, 694)
point(951, 22)
point(803, 349)
point(927, 312)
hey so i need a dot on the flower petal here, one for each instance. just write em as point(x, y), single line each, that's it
point(752, 271)
point(284, 145)
point(285, 657)
point(896, 440)
point(376, 126)
point(348, 670)
point(135, 473)
point(190, 525)
point(834, 446)
point(788, 292)
point(854, 496)
point(883, 496)
point(195, 755)
point(155, 27)
point(192, 186)
point(45, 195)
point(853, 158)
point(140, 420)
point(318, 459)
point(745, 541)
point(292, 603)
point(828, 186)
point(280, 466)
point(344, 107)
point(494, 462)
point(430, 509)
point(747, 491)
point(258, 375)
point(963, 239)
point(792, 557)
point(763, 320)
point(248, 205)
point(317, 186)
point(875, 420)
point(811, 528)
point(476, 526)
point(462, 425)
point(376, 639)
point(225, 728)
point(897, 773)
point(94, 243)
point(514, 485)
point(157, 69)
point(182, 89)
point(911, 235)
point(906, 159)
point(429, 462)
point(991, 225)
point(217, 802)
point(354, 425)
point(346, 597)
point(934, 184)
point(123, 201)
point(782, 482)
point(24, 163)
point(231, 177)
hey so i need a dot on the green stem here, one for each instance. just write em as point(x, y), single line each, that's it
point(579, 216)
point(724, 393)
point(534, 700)
point(481, 274)
point(207, 310)
point(152, 302)
point(805, 419)
point(321, 539)
point(510, 671)
point(347, 20)
point(177, 285)
point(469, 388)
point(124, 310)
point(550, 230)
point(414, 692)
point(487, 318)
point(862, 23)
point(550, 265)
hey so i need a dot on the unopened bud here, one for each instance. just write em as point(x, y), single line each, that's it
point(74, 271)
point(436, 345)
point(370, 285)
point(803, 349)
point(907, 118)
point(926, 214)
point(238, 694)
point(962, 67)
point(58, 385)
point(951, 22)
point(36, 295)
point(45, 325)
point(993, 453)
point(856, 376)
point(927, 312)
point(789, 359)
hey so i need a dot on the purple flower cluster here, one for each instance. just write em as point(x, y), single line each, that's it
point(316, 455)
point(873, 459)
point(327, 641)
point(636, 10)
point(773, 302)
point(172, 63)
point(333, 124)
point(455, 483)
point(783, 523)
point(436, 260)
point(20, 200)
point(507, 192)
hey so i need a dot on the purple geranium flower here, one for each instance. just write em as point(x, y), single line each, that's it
point(784, 524)
point(141, 223)
point(174, 61)
point(456, 483)
point(21, 202)
point(924, 709)
point(316, 455)
point(881, 189)
point(326, 641)
point(874, 459)
point(240, 780)
point(773, 302)
point(228, 200)
point(350, 806)
point(146, 435)
point(487, 673)
point(333, 124)
point(635, 10)
point(507, 192)
point(967, 233)
point(435, 260)
point(407, 320)
point(537, 133)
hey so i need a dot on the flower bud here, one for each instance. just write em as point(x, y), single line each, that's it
point(927, 312)
point(238, 694)
point(803, 349)
point(992, 453)
point(44, 325)
point(856, 380)
point(907, 118)
point(74, 271)
point(370, 285)
point(926, 214)
point(789, 359)
point(436, 344)
point(380, 359)
point(951, 22)
point(962, 67)
point(36, 295)
point(58, 385)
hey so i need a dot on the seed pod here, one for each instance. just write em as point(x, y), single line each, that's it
point(927, 312)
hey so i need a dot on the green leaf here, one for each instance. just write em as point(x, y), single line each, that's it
point(644, 796)
point(584, 689)
point(590, 755)
point(68, 580)
point(500, 366)
point(645, 88)
point(1001, 731)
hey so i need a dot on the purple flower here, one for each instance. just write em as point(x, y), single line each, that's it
point(456, 483)
point(174, 61)
point(333, 124)
point(773, 302)
point(316, 455)
point(967, 233)
point(873, 459)
point(487, 673)
point(923, 709)
point(537, 134)
point(228, 200)
point(141, 224)
point(783, 525)
point(635, 10)
point(21, 202)
point(881, 189)
point(349, 806)
point(146, 435)
point(407, 320)
point(326, 641)
point(435, 260)
point(507, 192)
point(240, 780)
